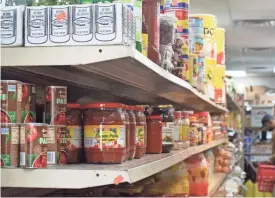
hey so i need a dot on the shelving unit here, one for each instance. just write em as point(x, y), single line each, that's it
point(91, 175)
point(120, 70)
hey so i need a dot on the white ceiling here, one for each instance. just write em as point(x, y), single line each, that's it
point(256, 62)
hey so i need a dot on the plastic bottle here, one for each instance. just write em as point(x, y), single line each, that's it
point(185, 127)
point(176, 131)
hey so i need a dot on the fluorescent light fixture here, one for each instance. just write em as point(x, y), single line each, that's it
point(236, 73)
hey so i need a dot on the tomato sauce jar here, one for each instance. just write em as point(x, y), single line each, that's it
point(132, 133)
point(154, 134)
point(141, 132)
point(127, 130)
point(204, 118)
point(74, 143)
point(105, 133)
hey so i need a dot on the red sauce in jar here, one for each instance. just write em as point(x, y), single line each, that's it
point(127, 125)
point(132, 136)
point(154, 134)
point(105, 133)
point(141, 132)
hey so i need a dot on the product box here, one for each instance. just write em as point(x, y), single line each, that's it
point(253, 92)
point(11, 26)
point(258, 112)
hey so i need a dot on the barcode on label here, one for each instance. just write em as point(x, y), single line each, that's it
point(50, 157)
point(22, 158)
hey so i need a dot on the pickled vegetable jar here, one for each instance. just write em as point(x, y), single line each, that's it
point(154, 134)
point(141, 132)
point(105, 133)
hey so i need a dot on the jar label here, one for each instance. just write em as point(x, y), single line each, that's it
point(139, 135)
point(167, 132)
point(104, 136)
point(74, 136)
point(176, 132)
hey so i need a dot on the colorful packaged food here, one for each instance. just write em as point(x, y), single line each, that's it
point(181, 53)
point(167, 113)
point(55, 105)
point(141, 132)
point(193, 133)
point(63, 135)
point(220, 43)
point(127, 131)
point(182, 23)
point(53, 146)
point(105, 133)
point(154, 134)
point(204, 118)
point(167, 30)
point(184, 132)
point(198, 170)
point(178, 143)
point(132, 120)
point(11, 99)
point(166, 53)
point(144, 37)
point(175, 5)
point(9, 145)
point(33, 145)
point(74, 141)
point(28, 103)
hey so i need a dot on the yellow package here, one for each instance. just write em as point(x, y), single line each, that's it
point(220, 44)
point(210, 72)
point(192, 63)
point(218, 78)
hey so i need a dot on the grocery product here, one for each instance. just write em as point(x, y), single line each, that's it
point(53, 146)
point(151, 12)
point(204, 118)
point(9, 145)
point(210, 72)
point(181, 55)
point(11, 99)
point(182, 4)
point(65, 144)
point(11, 19)
point(166, 111)
point(33, 145)
point(201, 83)
point(222, 160)
point(198, 170)
point(154, 134)
point(104, 133)
point(132, 120)
point(210, 158)
point(55, 105)
point(127, 131)
point(28, 103)
point(178, 144)
point(166, 53)
point(141, 132)
point(193, 132)
point(166, 30)
point(74, 119)
point(144, 37)
point(185, 127)
point(220, 43)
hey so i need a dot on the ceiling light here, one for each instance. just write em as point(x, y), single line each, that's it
point(236, 73)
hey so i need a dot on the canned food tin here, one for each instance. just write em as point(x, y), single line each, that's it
point(178, 4)
point(53, 146)
point(182, 24)
point(55, 105)
point(196, 32)
point(33, 145)
point(63, 137)
point(11, 99)
point(195, 22)
point(196, 45)
point(9, 145)
point(28, 103)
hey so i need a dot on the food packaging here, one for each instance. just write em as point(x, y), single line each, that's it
point(166, 53)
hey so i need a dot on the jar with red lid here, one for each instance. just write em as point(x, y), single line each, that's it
point(132, 134)
point(105, 133)
point(74, 144)
point(127, 125)
point(154, 134)
point(141, 133)
point(204, 118)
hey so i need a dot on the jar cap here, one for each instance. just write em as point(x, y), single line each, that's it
point(104, 105)
point(204, 113)
point(139, 108)
point(73, 106)
point(155, 117)
point(177, 114)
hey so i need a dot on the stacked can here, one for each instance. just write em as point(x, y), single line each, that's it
point(196, 51)
point(179, 10)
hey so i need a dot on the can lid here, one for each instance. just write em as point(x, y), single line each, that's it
point(73, 106)
point(104, 105)
point(155, 117)
point(177, 114)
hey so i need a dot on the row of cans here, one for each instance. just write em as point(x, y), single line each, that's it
point(32, 145)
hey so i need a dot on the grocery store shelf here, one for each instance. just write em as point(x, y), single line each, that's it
point(231, 103)
point(91, 175)
point(117, 69)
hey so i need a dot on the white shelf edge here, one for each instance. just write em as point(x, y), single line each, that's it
point(84, 176)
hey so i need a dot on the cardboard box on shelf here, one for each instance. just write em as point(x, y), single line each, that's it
point(11, 29)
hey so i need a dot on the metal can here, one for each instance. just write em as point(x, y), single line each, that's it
point(33, 145)
point(9, 145)
point(55, 105)
point(28, 114)
point(11, 98)
point(53, 146)
point(63, 139)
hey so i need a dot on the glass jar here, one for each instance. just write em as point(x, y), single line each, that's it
point(132, 135)
point(141, 134)
point(177, 130)
point(184, 135)
point(74, 121)
point(204, 118)
point(167, 113)
point(193, 135)
point(154, 134)
point(127, 125)
point(105, 133)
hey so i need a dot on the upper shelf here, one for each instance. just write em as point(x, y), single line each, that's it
point(118, 69)
point(76, 176)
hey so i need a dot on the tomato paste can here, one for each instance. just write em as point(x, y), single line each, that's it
point(63, 138)
point(53, 146)
point(11, 98)
point(55, 105)
point(74, 143)
point(28, 103)
point(9, 145)
point(33, 145)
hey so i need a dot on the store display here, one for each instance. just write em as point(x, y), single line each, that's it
point(9, 145)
